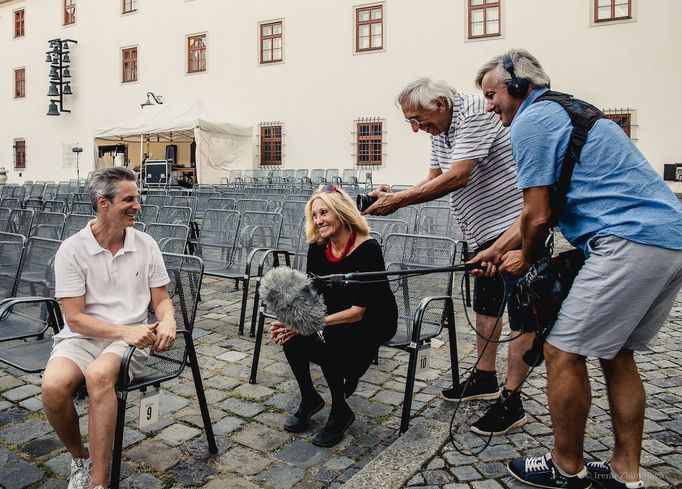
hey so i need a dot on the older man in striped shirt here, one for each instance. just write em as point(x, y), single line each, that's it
point(471, 159)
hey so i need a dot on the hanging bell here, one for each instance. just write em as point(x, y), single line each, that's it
point(53, 91)
point(52, 110)
point(66, 89)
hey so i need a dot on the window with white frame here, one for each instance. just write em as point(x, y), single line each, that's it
point(129, 6)
point(128, 65)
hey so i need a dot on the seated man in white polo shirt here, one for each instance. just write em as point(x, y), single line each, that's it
point(106, 275)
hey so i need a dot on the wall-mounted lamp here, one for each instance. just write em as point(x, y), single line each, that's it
point(78, 150)
point(157, 98)
point(58, 57)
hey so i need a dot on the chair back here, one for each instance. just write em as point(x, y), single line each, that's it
point(10, 203)
point(175, 215)
point(148, 213)
point(158, 200)
point(385, 226)
point(36, 272)
point(221, 203)
point(11, 249)
point(217, 237)
point(82, 208)
point(55, 206)
point(74, 223)
point(20, 222)
point(171, 238)
point(245, 205)
point(257, 230)
point(48, 225)
point(410, 251)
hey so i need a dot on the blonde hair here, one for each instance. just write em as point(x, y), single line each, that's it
point(344, 209)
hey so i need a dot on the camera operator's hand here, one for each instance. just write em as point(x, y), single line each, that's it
point(280, 334)
point(489, 259)
point(513, 263)
point(387, 202)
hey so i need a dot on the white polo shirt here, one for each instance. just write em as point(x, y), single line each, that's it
point(116, 288)
point(491, 200)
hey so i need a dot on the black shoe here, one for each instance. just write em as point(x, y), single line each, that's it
point(333, 431)
point(541, 472)
point(600, 472)
point(300, 420)
point(505, 415)
point(349, 386)
point(472, 389)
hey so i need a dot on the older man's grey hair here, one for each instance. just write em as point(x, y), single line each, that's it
point(525, 66)
point(423, 93)
point(104, 183)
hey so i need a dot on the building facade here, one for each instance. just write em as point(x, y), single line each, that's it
point(316, 80)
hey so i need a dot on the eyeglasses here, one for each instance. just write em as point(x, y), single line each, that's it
point(328, 189)
point(415, 124)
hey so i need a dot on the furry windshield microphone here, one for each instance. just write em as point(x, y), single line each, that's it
point(289, 295)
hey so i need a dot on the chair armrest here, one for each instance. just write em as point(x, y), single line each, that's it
point(277, 253)
point(421, 310)
point(57, 320)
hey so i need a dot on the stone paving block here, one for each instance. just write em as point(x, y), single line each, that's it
point(231, 482)
point(8, 382)
point(154, 454)
point(251, 391)
point(34, 404)
point(232, 356)
point(260, 437)
point(281, 476)
point(53, 483)
point(192, 473)
point(244, 461)
point(176, 434)
point(21, 392)
point(465, 473)
point(142, 481)
point(20, 433)
point(389, 397)
point(20, 475)
point(275, 420)
point(241, 408)
point(227, 425)
point(303, 454)
point(338, 463)
point(42, 446)
point(437, 477)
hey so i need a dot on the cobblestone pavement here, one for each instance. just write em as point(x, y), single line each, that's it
point(254, 451)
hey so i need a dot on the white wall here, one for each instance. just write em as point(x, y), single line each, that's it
point(322, 86)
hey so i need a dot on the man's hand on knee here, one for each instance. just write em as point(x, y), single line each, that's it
point(165, 335)
point(141, 336)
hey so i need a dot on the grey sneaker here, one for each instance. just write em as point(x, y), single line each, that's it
point(81, 473)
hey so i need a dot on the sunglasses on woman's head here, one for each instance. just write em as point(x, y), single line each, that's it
point(328, 189)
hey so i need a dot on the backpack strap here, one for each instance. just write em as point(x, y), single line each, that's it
point(583, 117)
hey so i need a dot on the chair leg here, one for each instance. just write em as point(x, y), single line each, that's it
point(454, 360)
point(254, 313)
point(409, 388)
point(118, 440)
point(201, 396)
point(257, 347)
point(245, 298)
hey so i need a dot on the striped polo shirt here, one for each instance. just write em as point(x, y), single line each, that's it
point(491, 200)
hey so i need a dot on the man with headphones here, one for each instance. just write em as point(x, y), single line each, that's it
point(628, 223)
point(471, 160)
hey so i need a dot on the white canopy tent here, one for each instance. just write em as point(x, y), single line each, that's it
point(220, 146)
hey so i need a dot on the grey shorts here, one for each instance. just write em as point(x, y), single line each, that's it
point(84, 351)
point(619, 300)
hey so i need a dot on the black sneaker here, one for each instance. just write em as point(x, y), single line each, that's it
point(300, 420)
point(499, 419)
point(541, 472)
point(472, 389)
point(333, 431)
point(600, 472)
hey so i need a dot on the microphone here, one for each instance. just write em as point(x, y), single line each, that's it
point(535, 356)
point(289, 295)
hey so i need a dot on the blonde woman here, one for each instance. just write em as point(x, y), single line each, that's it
point(360, 317)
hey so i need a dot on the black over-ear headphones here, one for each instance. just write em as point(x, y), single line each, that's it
point(517, 87)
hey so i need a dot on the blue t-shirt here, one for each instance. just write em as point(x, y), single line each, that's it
point(614, 190)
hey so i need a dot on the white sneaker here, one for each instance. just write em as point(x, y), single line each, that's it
point(81, 473)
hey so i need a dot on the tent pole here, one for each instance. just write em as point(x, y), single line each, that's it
point(141, 156)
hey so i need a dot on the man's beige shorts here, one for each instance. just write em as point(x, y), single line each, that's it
point(84, 351)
